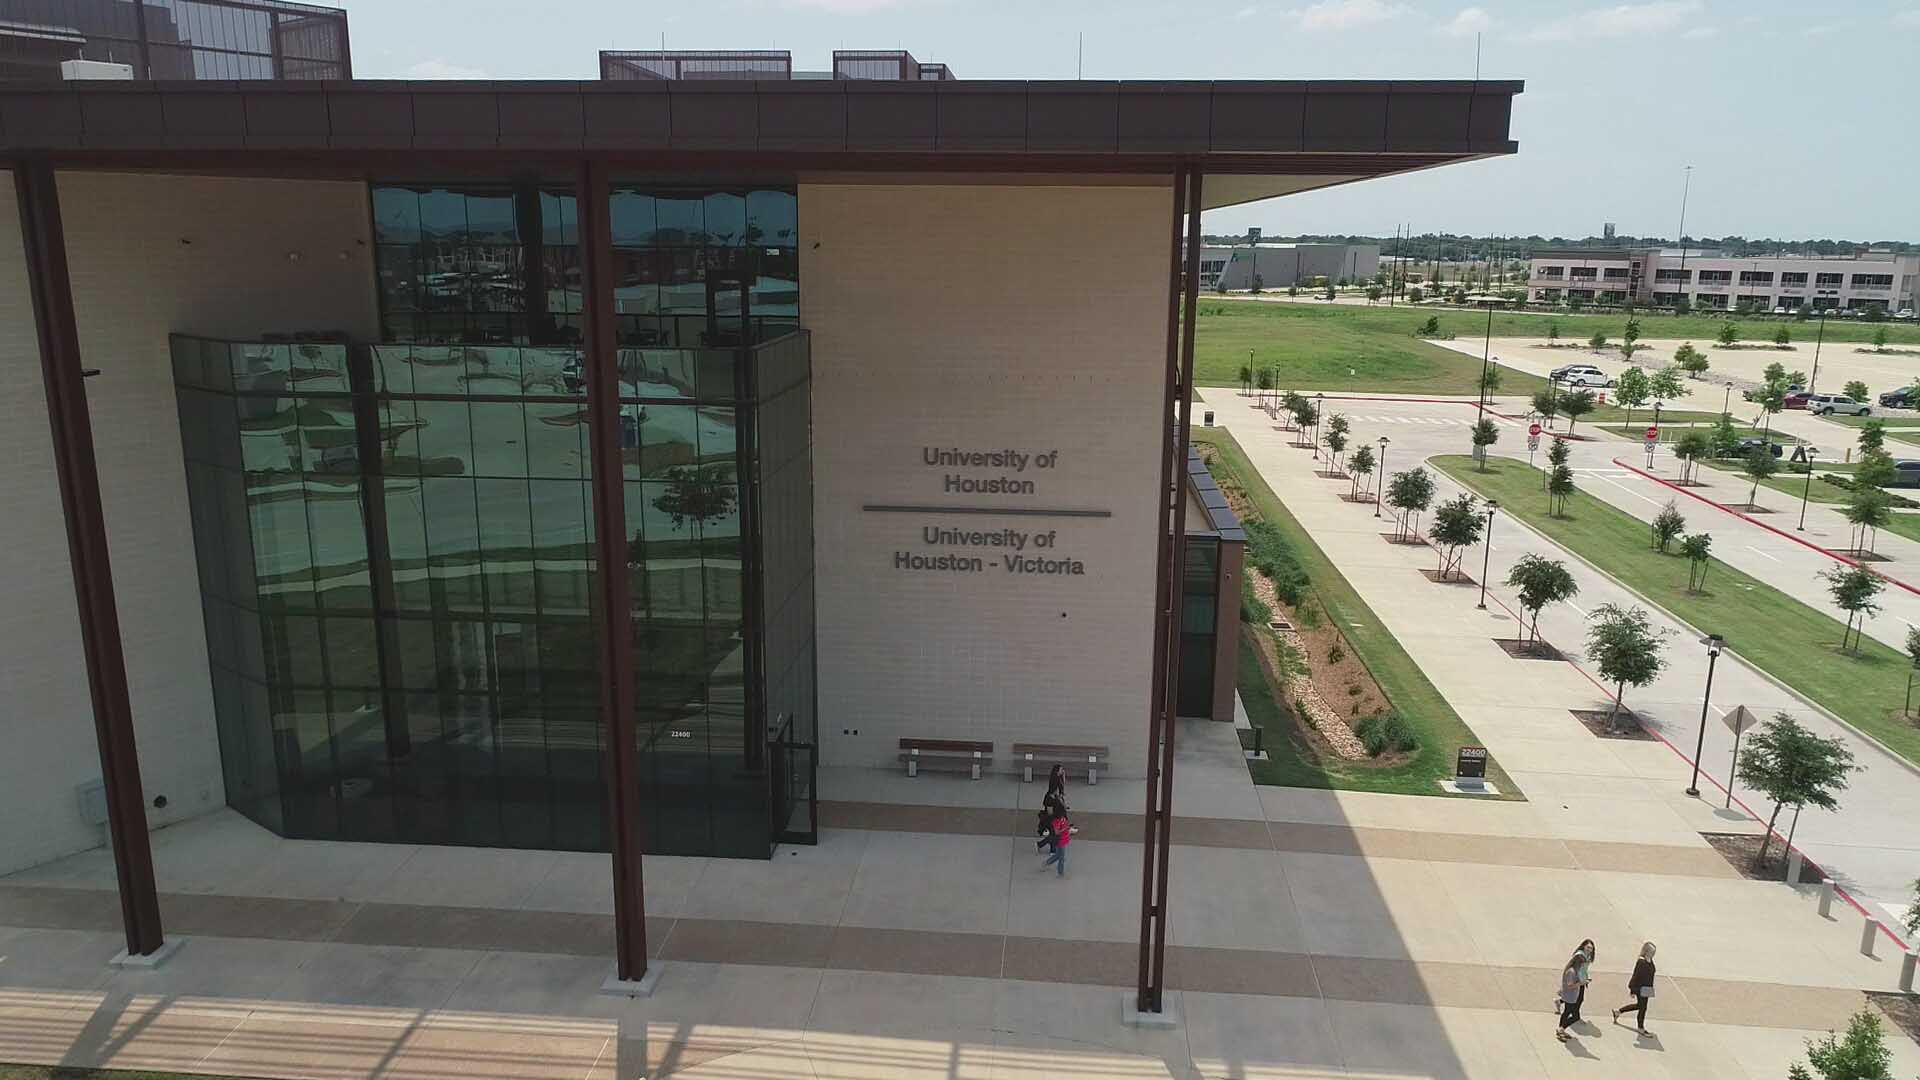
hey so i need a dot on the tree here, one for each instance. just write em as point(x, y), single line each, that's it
point(1729, 332)
point(1879, 338)
point(1698, 549)
point(1913, 653)
point(1256, 285)
point(1246, 377)
point(1559, 490)
point(1410, 493)
point(1682, 305)
point(1336, 440)
point(1598, 341)
point(1360, 465)
point(1373, 293)
point(1329, 290)
point(1690, 448)
point(1781, 336)
point(1456, 527)
point(1576, 405)
point(1853, 589)
point(1759, 465)
point(1771, 398)
point(1861, 1054)
point(1485, 434)
point(1666, 384)
point(1630, 335)
point(1414, 294)
point(1875, 469)
point(1264, 378)
point(1292, 402)
point(1690, 360)
point(1541, 581)
point(1668, 524)
point(1553, 331)
point(1873, 433)
point(699, 494)
point(1632, 389)
point(1793, 767)
point(1490, 380)
point(1857, 390)
point(1775, 372)
point(1726, 438)
point(1798, 378)
point(1430, 328)
point(1547, 404)
point(1623, 643)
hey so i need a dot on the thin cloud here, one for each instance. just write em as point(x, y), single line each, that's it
point(1910, 17)
point(1701, 33)
point(1822, 30)
point(1468, 22)
point(847, 7)
point(1621, 20)
point(438, 68)
point(1346, 14)
point(1247, 12)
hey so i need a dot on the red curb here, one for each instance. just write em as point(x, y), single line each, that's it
point(1751, 520)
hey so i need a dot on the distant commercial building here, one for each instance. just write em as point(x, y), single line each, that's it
point(165, 39)
point(1712, 280)
point(1280, 265)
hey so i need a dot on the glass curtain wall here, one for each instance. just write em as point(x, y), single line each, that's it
point(1199, 606)
point(396, 554)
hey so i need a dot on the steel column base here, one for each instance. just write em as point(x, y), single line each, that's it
point(633, 988)
point(1167, 1018)
point(148, 962)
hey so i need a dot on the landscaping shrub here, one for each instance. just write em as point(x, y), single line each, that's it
point(1387, 731)
point(1274, 557)
point(1253, 609)
point(1847, 483)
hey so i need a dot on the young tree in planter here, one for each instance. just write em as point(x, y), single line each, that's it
point(1729, 333)
point(1553, 332)
point(1558, 451)
point(1632, 390)
point(1725, 437)
point(1246, 377)
point(1336, 440)
point(1329, 295)
point(1879, 338)
point(1306, 415)
point(1292, 402)
point(1781, 336)
point(1490, 381)
point(1857, 390)
point(1541, 581)
point(1374, 293)
point(1629, 336)
point(1597, 342)
point(1361, 466)
point(1559, 490)
point(1690, 360)
point(1698, 549)
point(1485, 434)
point(1668, 524)
point(1430, 328)
point(1860, 1054)
point(1875, 469)
point(1547, 404)
point(1690, 448)
point(1759, 465)
point(1667, 385)
point(1913, 653)
point(1775, 372)
point(1854, 589)
point(1873, 433)
point(1456, 527)
point(1410, 493)
point(1263, 379)
point(1792, 767)
point(1576, 405)
point(1627, 649)
point(1867, 509)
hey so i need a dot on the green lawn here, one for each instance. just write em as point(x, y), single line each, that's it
point(1794, 485)
point(1890, 420)
point(1643, 416)
point(1314, 348)
point(1440, 730)
point(1703, 330)
point(1773, 631)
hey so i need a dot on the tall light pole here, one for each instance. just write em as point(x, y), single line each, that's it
point(1818, 337)
point(1806, 492)
point(1714, 643)
point(1319, 416)
point(1685, 187)
point(1381, 487)
point(1726, 400)
point(1486, 558)
point(1486, 358)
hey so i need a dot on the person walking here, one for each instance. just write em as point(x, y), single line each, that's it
point(1640, 989)
point(1056, 796)
point(1062, 836)
point(1587, 949)
point(1569, 995)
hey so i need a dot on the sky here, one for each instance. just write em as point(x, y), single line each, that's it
point(1798, 118)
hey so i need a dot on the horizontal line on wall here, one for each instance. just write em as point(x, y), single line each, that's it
point(1009, 511)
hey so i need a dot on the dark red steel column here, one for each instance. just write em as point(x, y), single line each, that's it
point(79, 478)
point(1147, 998)
point(613, 605)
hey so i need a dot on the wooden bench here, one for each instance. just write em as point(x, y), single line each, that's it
point(956, 755)
point(1060, 754)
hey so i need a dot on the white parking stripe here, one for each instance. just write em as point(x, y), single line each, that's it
point(1760, 553)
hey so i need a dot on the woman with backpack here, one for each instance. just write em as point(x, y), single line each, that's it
point(1570, 988)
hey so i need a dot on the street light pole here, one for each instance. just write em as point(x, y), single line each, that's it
point(1714, 643)
point(1805, 492)
point(1486, 357)
point(1486, 558)
point(1813, 380)
point(1653, 442)
point(1319, 417)
point(1380, 485)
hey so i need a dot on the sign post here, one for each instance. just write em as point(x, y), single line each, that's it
point(1533, 442)
point(1470, 769)
point(1737, 721)
point(1653, 440)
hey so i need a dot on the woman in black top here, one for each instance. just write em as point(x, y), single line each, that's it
point(1640, 985)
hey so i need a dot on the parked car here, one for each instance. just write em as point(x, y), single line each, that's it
point(1795, 400)
point(1584, 375)
point(1897, 399)
point(1904, 313)
point(1906, 473)
point(1829, 404)
point(1751, 443)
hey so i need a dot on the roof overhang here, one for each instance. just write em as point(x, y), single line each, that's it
point(1253, 139)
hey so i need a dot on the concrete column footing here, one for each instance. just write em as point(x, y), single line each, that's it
point(152, 960)
point(643, 986)
point(1130, 1014)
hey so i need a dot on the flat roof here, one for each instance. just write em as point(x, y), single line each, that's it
point(1254, 139)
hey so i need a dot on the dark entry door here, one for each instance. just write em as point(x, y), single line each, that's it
point(795, 806)
point(729, 319)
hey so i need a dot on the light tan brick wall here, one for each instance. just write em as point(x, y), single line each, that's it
point(984, 317)
point(257, 256)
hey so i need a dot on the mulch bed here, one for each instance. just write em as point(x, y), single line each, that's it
point(1298, 445)
point(1411, 541)
point(1750, 508)
point(1456, 578)
point(1329, 474)
point(1352, 498)
point(1902, 1009)
point(1739, 849)
point(1521, 649)
point(1865, 556)
point(1597, 721)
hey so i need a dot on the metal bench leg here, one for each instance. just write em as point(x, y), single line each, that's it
point(1093, 775)
point(976, 766)
point(1026, 775)
point(913, 763)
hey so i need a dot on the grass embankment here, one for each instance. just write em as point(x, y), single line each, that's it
point(1770, 629)
point(1314, 348)
point(1790, 481)
point(1577, 327)
point(1440, 731)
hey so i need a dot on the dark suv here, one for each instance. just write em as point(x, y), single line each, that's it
point(1897, 399)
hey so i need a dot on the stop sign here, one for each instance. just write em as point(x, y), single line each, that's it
point(1533, 429)
point(1653, 433)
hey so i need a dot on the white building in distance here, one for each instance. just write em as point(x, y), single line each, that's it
point(1711, 280)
